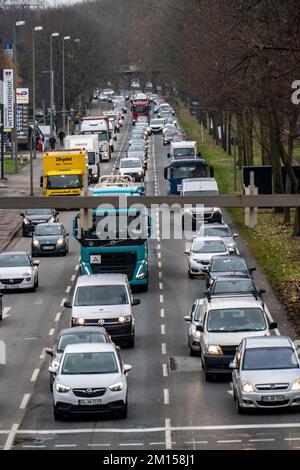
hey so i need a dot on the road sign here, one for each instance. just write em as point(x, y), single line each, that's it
point(8, 98)
point(22, 120)
point(22, 96)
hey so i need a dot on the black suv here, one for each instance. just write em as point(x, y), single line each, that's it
point(33, 217)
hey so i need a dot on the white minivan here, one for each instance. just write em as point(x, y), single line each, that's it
point(105, 300)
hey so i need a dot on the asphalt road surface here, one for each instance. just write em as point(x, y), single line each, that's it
point(170, 404)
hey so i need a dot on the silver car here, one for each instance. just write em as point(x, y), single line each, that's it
point(18, 271)
point(201, 252)
point(91, 379)
point(266, 374)
point(75, 335)
point(223, 231)
point(193, 334)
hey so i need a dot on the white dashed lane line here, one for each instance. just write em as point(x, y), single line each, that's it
point(43, 353)
point(162, 313)
point(73, 277)
point(76, 267)
point(5, 313)
point(51, 332)
point(68, 289)
point(163, 329)
point(34, 375)
point(165, 370)
point(166, 396)
point(62, 302)
point(163, 348)
point(57, 318)
point(161, 286)
point(24, 401)
point(161, 299)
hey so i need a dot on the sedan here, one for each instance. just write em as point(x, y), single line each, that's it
point(75, 335)
point(234, 265)
point(33, 217)
point(91, 379)
point(201, 253)
point(266, 374)
point(18, 271)
point(50, 239)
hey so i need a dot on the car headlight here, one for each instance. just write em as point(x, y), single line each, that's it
point(214, 349)
point(62, 388)
point(78, 321)
point(195, 332)
point(125, 319)
point(60, 241)
point(216, 209)
point(140, 173)
point(296, 385)
point(26, 221)
point(28, 272)
point(247, 386)
point(36, 243)
point(116, 387)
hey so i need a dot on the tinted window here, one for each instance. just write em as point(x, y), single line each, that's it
point(235, 319)
point(189, 171)
point(80, 338)
point(49, 230)
point(208, 247)
point(200, 193)
point(184, 152)
point(269, 358)
point(39, 212)
point(101, 295)
point(91, 158)
point(130, 163)
point(90, 363)
point(9, 261)
point(230, 264)
point(64, 181)
point(217, 232)
point(234, 286)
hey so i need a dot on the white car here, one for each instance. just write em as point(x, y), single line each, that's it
point(132, 167)
point(201, 252)
point(91, 379)
point(18, 271)
point(156, 125)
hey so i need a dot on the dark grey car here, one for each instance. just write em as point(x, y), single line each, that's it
point(50, 239)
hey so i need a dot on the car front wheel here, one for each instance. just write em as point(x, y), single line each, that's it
point(58, 416)
point(124, 412)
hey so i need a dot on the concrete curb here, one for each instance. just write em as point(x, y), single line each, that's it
point(13, 234)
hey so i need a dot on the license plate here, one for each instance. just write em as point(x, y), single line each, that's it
point(89, 402)
point(273, 398)
point(12, 286)
point(48, 248)
point(95, 259)
point(179, 186)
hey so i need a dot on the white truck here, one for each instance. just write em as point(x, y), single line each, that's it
point(183, 150)
point(90, 143)
point(98, 125)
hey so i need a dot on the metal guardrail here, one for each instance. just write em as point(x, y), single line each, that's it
point(84, 202)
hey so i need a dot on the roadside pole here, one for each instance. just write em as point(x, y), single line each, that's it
point(2, 142)
point(234, 164)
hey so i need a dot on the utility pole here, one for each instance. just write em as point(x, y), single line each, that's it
point(51, 81)
point(14, 133)
point(65, 38)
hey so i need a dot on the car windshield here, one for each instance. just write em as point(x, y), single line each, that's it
point(91, 158)
point(269, 358)
point(64, 181)
point(87, 296)
point(39, 212)
point(184, 152)
point(235, 320)
point(49, 230)
point(14, 261)
point(217, 231)
point(189, 171)
point(80, 338)
point(102, 136)
point(238, 286)
point(130, 163)
point(156, 122)
point(229, 264)
point(200, 193)
point(90, 363)
point(209, 246)
point(140, 109)
point(136, 148)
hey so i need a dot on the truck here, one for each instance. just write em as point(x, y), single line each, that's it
point(178, 170)
point(64, 172)
point(140, 108)
point(98, 125)
point(116, 241)
point(91, 144)
point(182, 150)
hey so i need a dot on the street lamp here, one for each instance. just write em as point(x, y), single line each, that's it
point(65, 38)
point(53, 35)
point(33, 136)
point(14, 140)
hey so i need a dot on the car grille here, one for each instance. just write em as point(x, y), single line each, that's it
point(123, 263)
point(36, 222)
point(94, 392)
point(272, 403)
point(205, 263)
point(107, 321)
point(229, 350)
point(12, 281)
point(272, 386)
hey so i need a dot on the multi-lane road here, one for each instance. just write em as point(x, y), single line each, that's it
point(170, 404)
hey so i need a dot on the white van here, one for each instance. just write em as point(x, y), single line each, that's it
point(90, 143)
point(98, 125)
point(104, 300)
point(182, 150)
point(202, 187)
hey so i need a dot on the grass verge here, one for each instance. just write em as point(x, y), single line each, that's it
point(276, 251)
point(9, 166)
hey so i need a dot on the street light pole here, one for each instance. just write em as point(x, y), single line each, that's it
point(33, 135)
point(51, 81)
point(14, 136)
point(65, 38)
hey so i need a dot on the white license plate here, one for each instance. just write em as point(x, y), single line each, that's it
point(48, 248)
point(179, 186)
point(89, 402)
point(95, 259)
point(273, 398)
point(12, 286)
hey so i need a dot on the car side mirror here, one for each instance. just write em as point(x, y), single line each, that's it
point(127, 368)
point(262, 291)
point(168, 155)
point(200, 328)
point(22, 215)
point(36, 263)
point(50, 351)
point(136, 301)
point(273, 325)
point(204, 268)
point(187, 318)
point(199, 154)
point(187, 252)
point(211, 171)
point(56, 212)
point(67, 304)
point(233, 365)
point(252, 270)
point(231, 251)
point(235, 235)
point(41, 181)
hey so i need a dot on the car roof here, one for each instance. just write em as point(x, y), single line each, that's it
point(228, 257)
point(184, 143)
point(48, 224)
point(208, 239)
point(199, 183)
point(85, 330)
point(231, 278)
point(102, 279)
point(230, 302)
point(268, 341)
point(90, 347)
point(216, 225)
point(192, 161)
point(14, 253)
